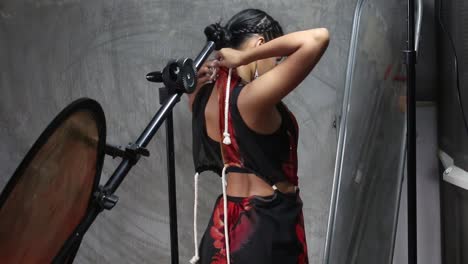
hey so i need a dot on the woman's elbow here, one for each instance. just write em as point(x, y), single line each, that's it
point(317, 42)
point(321, 36)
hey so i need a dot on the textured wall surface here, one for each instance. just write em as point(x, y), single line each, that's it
point(55, 51)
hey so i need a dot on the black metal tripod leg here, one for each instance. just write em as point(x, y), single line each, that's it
point(73, 251)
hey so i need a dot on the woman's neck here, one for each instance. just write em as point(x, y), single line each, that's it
point(245, 73)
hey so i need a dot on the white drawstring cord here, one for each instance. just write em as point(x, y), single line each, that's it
point(195, 233)
point(226, 232)
point(226, 135)
point(226, 141)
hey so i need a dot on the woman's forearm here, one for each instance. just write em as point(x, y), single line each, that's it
point(286, 45)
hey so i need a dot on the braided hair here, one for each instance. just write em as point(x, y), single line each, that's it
point(244, 25)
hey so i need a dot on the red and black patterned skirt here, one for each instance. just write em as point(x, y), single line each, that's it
point(262, 230)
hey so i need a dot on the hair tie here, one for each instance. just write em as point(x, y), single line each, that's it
point(219, 33)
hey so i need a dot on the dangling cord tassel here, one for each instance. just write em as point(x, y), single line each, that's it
point(226, 232)
point(195, 258)
point(226, 135)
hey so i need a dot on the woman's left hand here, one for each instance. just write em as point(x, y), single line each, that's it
point(207, 73)
point(230, 58)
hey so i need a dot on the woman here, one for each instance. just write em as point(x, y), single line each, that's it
point(243, 113)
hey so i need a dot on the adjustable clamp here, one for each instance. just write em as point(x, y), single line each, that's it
point(133, 152)
point(105, 200)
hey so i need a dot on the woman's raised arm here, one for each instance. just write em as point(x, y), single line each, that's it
point(303, 50)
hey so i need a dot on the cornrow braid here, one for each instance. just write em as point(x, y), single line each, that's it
point(248, 22)
point(256, 29)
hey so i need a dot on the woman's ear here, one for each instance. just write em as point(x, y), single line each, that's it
point(260, 41)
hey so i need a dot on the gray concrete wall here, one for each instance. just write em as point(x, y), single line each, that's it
point(53, 52)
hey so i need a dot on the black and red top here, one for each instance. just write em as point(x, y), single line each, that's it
point(206, 151)
point(272, 157)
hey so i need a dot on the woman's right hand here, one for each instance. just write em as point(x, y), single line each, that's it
point(230, 58)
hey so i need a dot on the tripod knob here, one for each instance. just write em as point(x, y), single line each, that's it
point(180, 76)
point(188, 75)
point(155, 77)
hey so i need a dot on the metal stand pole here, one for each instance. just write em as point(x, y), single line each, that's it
point(410, 61)
point(171, 180)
